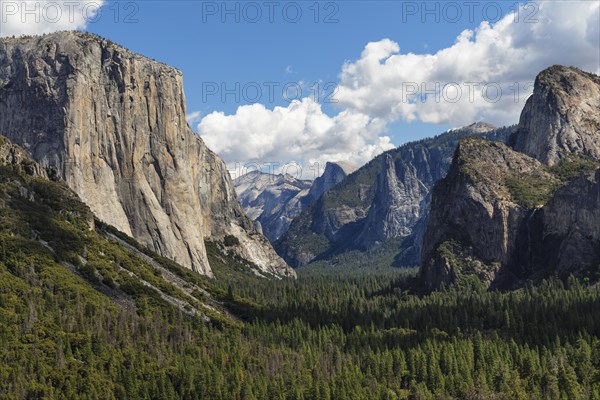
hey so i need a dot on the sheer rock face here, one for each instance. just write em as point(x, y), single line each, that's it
point(571, 225)
point(506, 217)
point(334, 173)
point(562, 117)
point(387, 198)
point(397, 205)
point(113, 123)
point(273, 201)
point(18, 160)
point(474, 222)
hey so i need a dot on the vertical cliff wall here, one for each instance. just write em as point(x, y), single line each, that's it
point(113, 124)
point(508, 215)
point(562, 116)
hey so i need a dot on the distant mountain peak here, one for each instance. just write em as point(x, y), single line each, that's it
point(346, 166)
point(272, 201)
point(334, 173)
point(508, 215)
point(562, 116)
point(481, 127)
point(476, 127)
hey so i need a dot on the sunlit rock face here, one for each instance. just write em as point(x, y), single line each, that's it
point(113, 123)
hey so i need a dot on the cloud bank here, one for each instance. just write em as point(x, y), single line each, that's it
point(299, 132)
point(45, 16)
point(486, 74)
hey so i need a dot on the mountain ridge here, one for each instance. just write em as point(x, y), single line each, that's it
point(271, 200)
point(507, 216)
point(330, 226)
point(274, 200)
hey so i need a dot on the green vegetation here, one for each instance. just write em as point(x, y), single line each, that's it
point(534, 190)
point(231, 241)
point(323, 337)
point(571, 168)
point(357, 190)
point(469, 271)
point(88, 313)
point(227, 266)
point(531, 190)
point(380, 257)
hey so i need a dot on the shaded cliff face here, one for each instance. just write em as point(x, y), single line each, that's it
point(570, 226)
point(113, 123)
point(18, 160)
point(387, 198)
point(271, 200)
point(506, 217)
point(334, 173)
point(397, 205)
point(561, 118)
point(476, 212)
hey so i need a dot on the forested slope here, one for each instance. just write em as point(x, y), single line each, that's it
point(88, 313)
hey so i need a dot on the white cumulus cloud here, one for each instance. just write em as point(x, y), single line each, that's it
point(45, 16)
point(193, 117)
point(486, 74)
point(300, 132)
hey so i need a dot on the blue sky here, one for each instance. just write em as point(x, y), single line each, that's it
point(398, 70)
point(192, 36)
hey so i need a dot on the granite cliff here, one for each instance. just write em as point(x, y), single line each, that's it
point(509, 215)
point(334, 173)
point(388, 198)
point(111, 123)
point(561, 119)
point(272, 201)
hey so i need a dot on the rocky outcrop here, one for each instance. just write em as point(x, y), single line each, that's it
point(477, 211)
point(506, 217)
point(18, 160)
point(386, 198)
point(397, 204)
point(113, 125)
point(562, 117)
point(570, 226)
point(16, 170)
point(334, 173)
point(273, 201)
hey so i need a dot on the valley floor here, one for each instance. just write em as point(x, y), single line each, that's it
point(336, 334)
